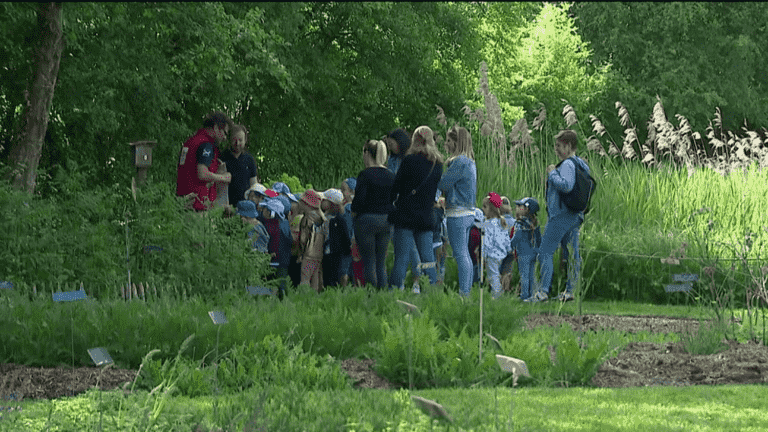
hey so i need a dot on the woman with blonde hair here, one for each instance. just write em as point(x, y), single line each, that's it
point(459, 184)
point(413, 193)
point(370, 208)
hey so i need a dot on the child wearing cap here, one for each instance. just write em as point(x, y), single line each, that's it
point(310, 238)
point(336, 232)
point(279, 238)
point(526, 241)
point(258, 237)
point(348, 191)
point(496, 244)
point(259, 192)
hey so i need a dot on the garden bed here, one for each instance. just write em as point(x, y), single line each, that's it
point(638, 364)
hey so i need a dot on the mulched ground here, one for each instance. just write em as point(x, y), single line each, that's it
point(638, 364)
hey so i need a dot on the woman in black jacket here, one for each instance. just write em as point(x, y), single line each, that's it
point(370, 208)
point(413, 194)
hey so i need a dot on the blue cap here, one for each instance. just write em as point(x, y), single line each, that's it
point(531, 203)
point(247, 208)
point(281, 188)
point(292, 197)
point(351, 182)
point(274, 205)
point(286, 204)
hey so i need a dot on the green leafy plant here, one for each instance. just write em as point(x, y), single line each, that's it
point(708, 339)
point(577, 357)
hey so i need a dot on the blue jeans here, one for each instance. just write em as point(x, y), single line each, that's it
point(458, 236)
point(563, 226)
point(526, 264)
point(372, 233)
point(404, 240)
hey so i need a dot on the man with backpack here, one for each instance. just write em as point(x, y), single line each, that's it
point(568, 193)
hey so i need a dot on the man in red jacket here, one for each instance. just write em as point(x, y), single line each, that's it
point(199, 162)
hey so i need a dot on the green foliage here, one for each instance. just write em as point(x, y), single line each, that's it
point(292, 182)
point(270, 362)
point(577, 358)
point(531, 347)
point(708, 339)
point(433, 362)
point(81, 237)
point(694, 55)
point(132, 71)
point(534, 56)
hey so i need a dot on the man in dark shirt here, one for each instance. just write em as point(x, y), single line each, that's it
point(240, 164)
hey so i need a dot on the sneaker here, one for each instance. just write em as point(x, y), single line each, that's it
point(540, 296)
point(416, 288)
point(565, 296)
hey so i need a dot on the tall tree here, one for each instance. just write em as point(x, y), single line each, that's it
point(695, 55)
point(25, 151)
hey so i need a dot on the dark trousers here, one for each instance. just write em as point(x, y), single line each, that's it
point(331, 268)
point(372, 233)
point(294, 271)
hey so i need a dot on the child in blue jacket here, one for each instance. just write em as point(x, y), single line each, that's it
point(526, 242)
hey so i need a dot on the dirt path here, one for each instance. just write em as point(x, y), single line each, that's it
point(638, 364)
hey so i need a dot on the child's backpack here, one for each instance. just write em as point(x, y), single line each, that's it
point(338, 236)
point(579, 198)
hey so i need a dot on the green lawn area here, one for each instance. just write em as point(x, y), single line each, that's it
point(726, 408)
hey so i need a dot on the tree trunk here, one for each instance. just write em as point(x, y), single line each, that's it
point(25, 151)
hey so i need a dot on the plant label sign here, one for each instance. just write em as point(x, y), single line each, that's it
point(494, 340)
point(511, 364)
point(432, 408)
point(686, 277)
point(100, 356)
point(218, 317)
point(69, 295)
point(6, 285)
point(677, 288)
point(259, 290)
point(409, 308)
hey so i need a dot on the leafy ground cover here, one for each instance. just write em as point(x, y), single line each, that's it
point(307, 391)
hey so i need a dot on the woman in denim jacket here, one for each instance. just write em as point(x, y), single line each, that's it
point(459, 184)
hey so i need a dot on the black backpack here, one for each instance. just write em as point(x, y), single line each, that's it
point(579, 198)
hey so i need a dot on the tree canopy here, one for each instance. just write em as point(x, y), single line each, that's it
point(312, 81)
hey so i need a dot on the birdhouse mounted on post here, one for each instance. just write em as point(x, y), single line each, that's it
point(142, 158)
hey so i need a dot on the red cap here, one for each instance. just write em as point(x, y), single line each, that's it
point(270, 193)
point(495, 199)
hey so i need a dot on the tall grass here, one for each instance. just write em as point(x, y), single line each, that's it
point(670, 191)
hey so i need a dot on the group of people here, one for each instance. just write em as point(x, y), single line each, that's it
point(409, 193)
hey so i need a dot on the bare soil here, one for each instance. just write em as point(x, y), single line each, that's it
point(638, 364)
point(667, 364)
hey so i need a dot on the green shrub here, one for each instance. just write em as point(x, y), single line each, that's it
point(708, 339)
point(577, 358)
